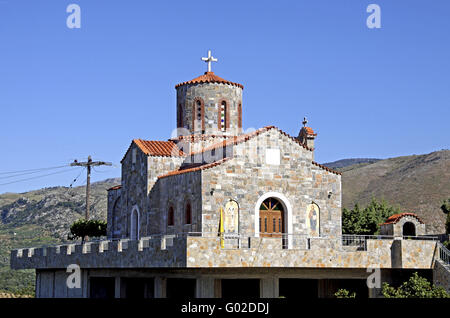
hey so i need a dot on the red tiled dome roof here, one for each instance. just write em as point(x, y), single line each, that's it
point(209, 77)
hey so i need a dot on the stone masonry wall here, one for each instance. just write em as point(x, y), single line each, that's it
point(177, 191)
point(211, 94)
point(247, 177)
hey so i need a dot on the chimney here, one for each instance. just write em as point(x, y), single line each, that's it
point(306, 136)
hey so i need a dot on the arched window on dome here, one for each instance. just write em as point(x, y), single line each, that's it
point(240, 115)
point(223, 116)
point(198, 118)
point(179, 116)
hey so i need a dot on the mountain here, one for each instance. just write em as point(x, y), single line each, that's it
point(341, 164)
point(417, 184)
point(42, 217)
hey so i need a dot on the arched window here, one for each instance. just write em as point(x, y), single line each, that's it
point(240, 115)
point(271, 218)
point(223, 116)
point(115, 230)
point(188, 214)
point(179, 116)
point(198, 115)
point(134, 224)
point(170, 217)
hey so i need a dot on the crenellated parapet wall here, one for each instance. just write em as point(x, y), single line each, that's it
point(210, 252)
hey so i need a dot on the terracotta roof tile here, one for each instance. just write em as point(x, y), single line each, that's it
point(197, 168)
point(209, 77)
point(117, 187)
point(309, 131)
point(326, 168)
point(396, 217)
point(243, 138)
point(159, 148)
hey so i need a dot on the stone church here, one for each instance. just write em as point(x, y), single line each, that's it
point(216, 211)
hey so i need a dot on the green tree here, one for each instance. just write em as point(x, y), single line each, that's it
point(445, 207)
point(367, 221)
point(82, 229)
point(415, 287)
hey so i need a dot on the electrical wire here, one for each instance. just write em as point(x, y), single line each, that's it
point(37, 177)
point(32, 170)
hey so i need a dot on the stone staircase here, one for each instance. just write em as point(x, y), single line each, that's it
point(441, 271)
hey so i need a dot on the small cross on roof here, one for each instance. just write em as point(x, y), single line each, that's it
point(209, 59)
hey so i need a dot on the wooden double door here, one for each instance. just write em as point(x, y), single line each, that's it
point(271, 218)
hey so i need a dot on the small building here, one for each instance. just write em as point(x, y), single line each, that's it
point(403, 224)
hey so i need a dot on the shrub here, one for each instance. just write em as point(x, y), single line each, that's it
point(82, 229)
point(415, 287)
point(344, 293)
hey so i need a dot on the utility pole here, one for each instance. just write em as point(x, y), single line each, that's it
point(88, 166)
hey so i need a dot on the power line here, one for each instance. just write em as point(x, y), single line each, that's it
point(37, 177)
point(29, 170)
point(28, 173)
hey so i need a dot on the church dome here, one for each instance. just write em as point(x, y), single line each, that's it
point(209, 77)
point(209, 105)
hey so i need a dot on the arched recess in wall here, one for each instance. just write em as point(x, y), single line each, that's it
point(240, 115)
point(198, 115)
point(409, 229)
point(287, 208)
point(134, 223)
point(188, 212)
point(312, 220)
point(180, 116)
point(115, 231)
point(223, 116)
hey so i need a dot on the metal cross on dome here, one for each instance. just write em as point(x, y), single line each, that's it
point(305, 121)
point(209, 59)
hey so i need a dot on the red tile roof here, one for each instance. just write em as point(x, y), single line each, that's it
point(243, 138)
point(310, 131)
point(197, 168)
point(117, 187)
point(209, 77)
point(159, 148)
point(326, 168)
point(396, 217)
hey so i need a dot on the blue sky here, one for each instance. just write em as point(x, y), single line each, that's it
point(69, 93)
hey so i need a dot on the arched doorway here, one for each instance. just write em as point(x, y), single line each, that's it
point(409, 229)
point(271, 218)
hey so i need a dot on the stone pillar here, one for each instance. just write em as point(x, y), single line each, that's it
point(205, 287)
point(269, 287)
point(37, 289)
point(160, 287)
point(85, 283)
point(396, 253)
point(117, 287)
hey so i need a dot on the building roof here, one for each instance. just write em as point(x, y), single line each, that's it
point(117, 187)
point(159, 148)
point(240, 139)
point(197, 168)
point(156, 148)
point(245, 137)
point(309, 131)
point(396, 217)
point(209, 77)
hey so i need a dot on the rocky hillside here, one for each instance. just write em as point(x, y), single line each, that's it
point(417, 183)
point(42, 217)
